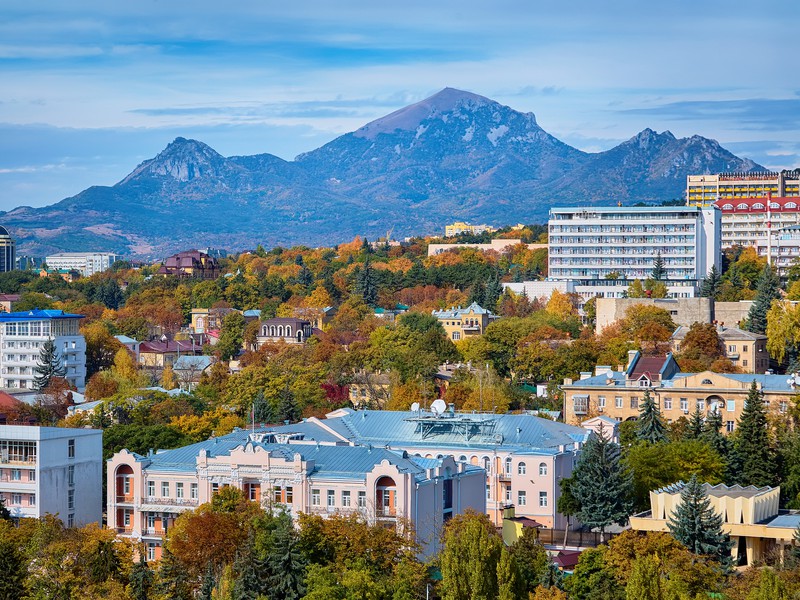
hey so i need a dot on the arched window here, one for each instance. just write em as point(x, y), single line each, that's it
point(462, 458)
point(508, 466)
point(706, 382)
point(758, 206)
point(727, 207)
point(774, 205)
point(521, 469)
point(742, 206)
point(542, 469)
point(791, 205)
point(288, 330)
point(264, 330)
point(487, 464)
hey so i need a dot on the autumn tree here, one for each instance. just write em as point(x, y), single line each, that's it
point(231, 336)
point(470, 557)
point(644, 582)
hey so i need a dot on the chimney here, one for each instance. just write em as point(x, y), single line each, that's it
point(632, 356)
point(585, 375)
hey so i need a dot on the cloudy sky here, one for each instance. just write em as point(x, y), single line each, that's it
point(89, 89)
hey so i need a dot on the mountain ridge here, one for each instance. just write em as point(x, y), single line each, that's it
point(454, 155)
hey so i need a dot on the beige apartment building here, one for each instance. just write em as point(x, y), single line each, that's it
point(618, 393)
point(746, 350)
point(461, 322)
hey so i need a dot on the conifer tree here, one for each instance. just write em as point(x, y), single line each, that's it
point(13, 568)
point(208, 585)
point(366, 285)
point(650, 426)
point(171, 581)
point(753, 457)
point(696, 525)
point(712, 434)
point(286, 564)
point(252, 573)
point(659, 271)
point(710, 286)
point(288, 409)
point(141, 579)
point(767, 289)
point(262, 409)
point(4, 514)
point(48, 366)
point(694, 429)
point(492, 293)
point(602, 487)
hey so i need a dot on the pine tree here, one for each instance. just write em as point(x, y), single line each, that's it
point(48, 366)
point(650, 426)
point(141, 579)
point(712, 434)
point(288, 409)
point(601, 486)
point(644, 582)
point(262, 409)
point(252, 573)
point(753, 455)
point(286, 563)
point(694, 429)
point(710, 286)
point(768, 289)
point(696, 525)
point(477, 294)
point(492, 293)
point(659, 271)
point(171, 581)
point(208, 585)
point(366, 284)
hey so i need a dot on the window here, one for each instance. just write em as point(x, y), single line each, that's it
point(508, 466)
point(346, 498)
point(618, 402)
point(32, 500)
point(729, 426)
point(685, 404)
point(16, 475)
point(71, 500)
point(71, 475)
point(542, 498)
point(193, 491)
point(667, 403)
point(164, 489)
point(601, 402)
point(126, 485)
point(731, 348)
point(179, 490)
point(744, 362)
point(31, 475)
point(783, 406)
point(277, 495)
point(315, 498)
point(16, 499)
point(126, 519)
point(542, 469)
point(151, 488)
point(456, 335)
point(508, 493)
point(706, 382)
point(151, 551)
point(701, 405)
point(744, 348)
point(151, 521)
point(521, 469)
point(522, 500)
point(70, 448)
point(730, 405)
point(488, 493)
point(362, 499)
point(634, 402)
point(214, 488)
point(486, 463)
point(462, 458)
point(289, 495)
point(70, 520)
point(331, 498)
point(580, 404)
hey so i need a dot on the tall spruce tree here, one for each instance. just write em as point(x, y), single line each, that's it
point(710, 286)
point(366, 284)
point(659, 271)
point(768, 288)
point(696, 525)
point(48, 366)
point(712, 434)
point(287, 564)
point(208, 584)
point(650, 426)
point(13, 568)
point(171, 579)
point(602, 487)
point(287, 408)
point(694, 429)
point(141, 579)
point(252, 573)
point(492, 293)
point(754, 457)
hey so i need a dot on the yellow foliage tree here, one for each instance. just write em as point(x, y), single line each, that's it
point(560, 305)
point(168, 381)
point(125, 369)
point(219, 421)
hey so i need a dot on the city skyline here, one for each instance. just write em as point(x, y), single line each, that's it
point(91, 89)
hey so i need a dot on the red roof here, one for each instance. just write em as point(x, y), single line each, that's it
point(9, 403)
point(567, 559)
point(648, 365)
point(758, 205)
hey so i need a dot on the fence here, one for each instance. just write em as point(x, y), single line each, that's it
point(555, 537)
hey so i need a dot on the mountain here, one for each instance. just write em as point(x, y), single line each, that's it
point(453, 155)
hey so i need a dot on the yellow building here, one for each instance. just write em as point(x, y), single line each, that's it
point(704, 190)
point(618, 393)
point(460, 322)
point(750, 515)
point(460, 227)
point(746, 350)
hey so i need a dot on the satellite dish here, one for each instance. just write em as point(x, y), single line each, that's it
point(438, 407)
point(415, 406)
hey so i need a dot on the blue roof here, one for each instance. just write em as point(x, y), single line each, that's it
point(253, 312)
point(455, 312)
point(37, 314)
point(188, 362)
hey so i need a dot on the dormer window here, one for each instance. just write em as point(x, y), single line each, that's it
point(644, 381)
point(706, 382)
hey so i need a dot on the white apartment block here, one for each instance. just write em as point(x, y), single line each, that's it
point(52, 470)
point(147, 493)
point(705, 190)
point(605, 248)
point(88, 263)
point(22, 334)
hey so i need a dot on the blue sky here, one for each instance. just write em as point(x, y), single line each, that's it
point(89, 89)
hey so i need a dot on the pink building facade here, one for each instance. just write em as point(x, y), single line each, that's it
point(147, 493)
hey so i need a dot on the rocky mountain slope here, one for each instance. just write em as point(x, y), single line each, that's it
point(453, 155)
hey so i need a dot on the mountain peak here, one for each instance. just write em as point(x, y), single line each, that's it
point(409, 117)
point(183, 160)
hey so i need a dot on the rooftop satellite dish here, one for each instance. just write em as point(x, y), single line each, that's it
point(415, 406)
point(438, 407)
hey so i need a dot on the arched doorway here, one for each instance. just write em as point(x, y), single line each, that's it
point(385, 497)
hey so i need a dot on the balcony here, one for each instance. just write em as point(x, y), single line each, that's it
point(124, 530)
point(124, 499)
point(160, 501)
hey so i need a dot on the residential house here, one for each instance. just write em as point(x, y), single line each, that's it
point(318, 317)
point(188, 369)
point(746, 350)
point(288, 329)
point(159, 354)
point(131, 344)
point(190, 263)
point(460, 323)
point(7, 302)
point(204, 320)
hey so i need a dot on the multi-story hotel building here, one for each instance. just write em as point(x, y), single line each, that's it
point(617, 393)
point(524, 457)
point(314, 476)
point(460, 227)
point(8, 251)
point(52, 470)
point(87, 263)
point(22, 334)
point(607, 247)
point(705, 190)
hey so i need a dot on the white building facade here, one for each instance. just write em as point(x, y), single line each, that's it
point(52, 470)
point(22, 334)
point(88, 263)
point(605, 248)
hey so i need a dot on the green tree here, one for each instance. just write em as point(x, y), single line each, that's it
point(593, 579)
point(208, 584)
point(13, 566)
point(768, 289)
point(286, 563)
point(770, 587)
point(650, 426)
point(231, 336)
point(753, 456)
point(48, 366)
point(644, 582)
point(469, 558)
point(695, 428)
point(509, 583)
point(712, 433)
point(696, 525)
point(531, 557)
point(171, 579)
point(4, 514)
point(602, 487)
point(711, 284)
point(141, 579)
point(287, 408)
point(366, 284)
point(659, 271)
point(492, 293)
point(567, 504)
